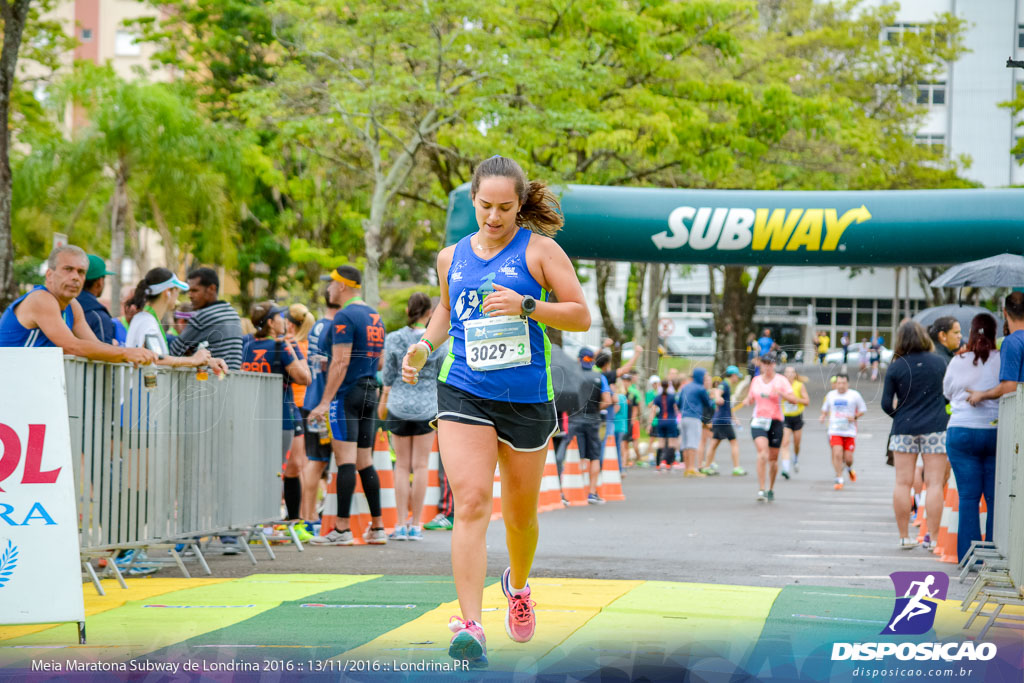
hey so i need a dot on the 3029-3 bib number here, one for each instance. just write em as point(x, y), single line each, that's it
point(497, 343)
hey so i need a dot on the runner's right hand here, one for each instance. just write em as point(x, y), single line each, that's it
point(139, 356)
point(415, 359)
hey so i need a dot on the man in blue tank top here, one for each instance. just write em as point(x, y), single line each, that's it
point(50, 315)
point(350, 397)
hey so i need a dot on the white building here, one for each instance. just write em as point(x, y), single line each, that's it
point(964, 118)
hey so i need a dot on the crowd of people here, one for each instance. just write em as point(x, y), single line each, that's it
point(474, 368)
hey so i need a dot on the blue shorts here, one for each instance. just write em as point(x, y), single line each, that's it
point(353, 414)
point(666, 429)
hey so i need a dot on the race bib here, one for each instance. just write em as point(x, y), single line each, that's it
point(790, 407)
point(497, 343)
point(840, 423)
point(761, 423)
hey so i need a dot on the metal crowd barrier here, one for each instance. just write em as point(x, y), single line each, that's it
point(1000, 580)
point(184, 459)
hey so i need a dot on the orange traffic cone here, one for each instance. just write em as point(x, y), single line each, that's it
point(945, 546)
point(550, 496)
point(433, 497)
point(609, 484)
point(572, 476)
point(386, 474)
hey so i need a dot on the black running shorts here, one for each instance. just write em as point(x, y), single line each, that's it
point(522, 426)
point(354, 413)
point(794, 422)
point(773, 434)
point(723, 432)
point(400, 427)
point(320, 452)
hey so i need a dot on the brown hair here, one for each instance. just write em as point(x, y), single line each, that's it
point(911, 337)
point(1014, 305)
point(153, 277)
point(539, 209)
point(259, 314)
point(983, 337)
point(418, 306)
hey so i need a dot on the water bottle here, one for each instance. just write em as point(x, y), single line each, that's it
point(149, 376)
point(202, 372)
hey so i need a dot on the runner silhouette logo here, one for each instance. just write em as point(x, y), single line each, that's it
point(916, 593)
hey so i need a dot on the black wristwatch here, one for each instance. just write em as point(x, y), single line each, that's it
point(528, 307)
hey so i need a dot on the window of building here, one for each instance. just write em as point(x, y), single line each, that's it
point(675, 303)
point(801, 301)
point(934, 141)
point(894, 34)
point(931, 94)
point(86, 34)
point(824, 317)
point(125, 45)
point(1020, 36)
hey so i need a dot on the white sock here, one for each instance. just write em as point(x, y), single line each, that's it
point(839, 480)
point(518, 591)
point(785, 466)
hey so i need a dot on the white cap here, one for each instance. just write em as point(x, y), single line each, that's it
point(654, 379)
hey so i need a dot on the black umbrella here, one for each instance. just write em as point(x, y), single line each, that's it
point(1004, 270)
point(963, 314)
point(566, 378)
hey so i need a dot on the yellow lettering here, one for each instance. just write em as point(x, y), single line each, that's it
point(777, 227)
point(808, 233)
point(835, 227)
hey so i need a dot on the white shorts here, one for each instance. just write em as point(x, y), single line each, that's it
point(690, 433)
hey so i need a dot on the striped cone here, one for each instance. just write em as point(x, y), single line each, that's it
point(922, 516)
point(330, 513)
point(983, 517)
point(496, 495)
point(945, 546)
point(433, 497)
point(609, 484)
point(550, 496)
point(572, 476)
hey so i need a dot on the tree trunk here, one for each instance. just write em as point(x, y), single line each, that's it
point(14, 14)
point(734, 318)
point(656, 275)
point(116, 239)
point(604, 270)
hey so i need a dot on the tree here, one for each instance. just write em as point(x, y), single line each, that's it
point(46, 42)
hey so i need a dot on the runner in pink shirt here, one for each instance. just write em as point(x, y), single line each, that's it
point(767, 391)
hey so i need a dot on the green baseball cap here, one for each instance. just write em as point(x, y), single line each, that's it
point(97, 268)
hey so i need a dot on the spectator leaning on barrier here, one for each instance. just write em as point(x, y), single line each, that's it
point(155, 297)
point(96, 314)
point(213, 321)
point(406, 411)
point(1011, 353)
point(273, 352)
point(49, 315)
point(971, 433)
point(913, 397)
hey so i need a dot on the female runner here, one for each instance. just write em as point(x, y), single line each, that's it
point(494, 393)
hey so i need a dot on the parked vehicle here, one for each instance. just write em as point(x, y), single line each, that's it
point(835, 356)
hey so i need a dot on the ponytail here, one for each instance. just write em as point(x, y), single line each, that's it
point(418, 306)
point(539, 209)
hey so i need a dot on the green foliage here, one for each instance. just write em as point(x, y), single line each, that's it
point(394, 301)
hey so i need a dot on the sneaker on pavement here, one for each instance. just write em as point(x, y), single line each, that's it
point(520, 621)
point(439, 523)
point(770, 495)
point(413, 533)
point(678, 466)
point(334, 538)
point(796, 464)
point(399, 534)
point(594, 499)
point(927, 543)
point(142, 571)
point(853, 475)
point(739, 472)
point(694, 473)
point(468, 643)
point(375, 536)
point(838, 485)
point(785, 475)
point(565, 501)
point(908, 543)
point(761, 497)
point(303, 533)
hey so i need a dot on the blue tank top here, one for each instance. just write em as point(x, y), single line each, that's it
point(12, 333)
point(470, 279)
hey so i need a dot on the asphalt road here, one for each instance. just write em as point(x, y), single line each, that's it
point(701, 530)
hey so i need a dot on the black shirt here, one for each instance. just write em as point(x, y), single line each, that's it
point(916, 381)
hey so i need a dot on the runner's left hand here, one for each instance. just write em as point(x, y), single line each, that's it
point(503, 301)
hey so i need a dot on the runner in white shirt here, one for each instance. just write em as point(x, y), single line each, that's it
point(842, 406)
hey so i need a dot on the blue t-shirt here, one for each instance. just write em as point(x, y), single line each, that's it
point(1011, 355)
point(318, 362)
point(622, 414)
point(359, 325)
point(667, 409)
point(766, 344)
point(693, 398)
point(723, 415)
point(271, 356)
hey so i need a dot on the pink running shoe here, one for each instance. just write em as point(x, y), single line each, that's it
point(520, 622)
point(469, 642)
